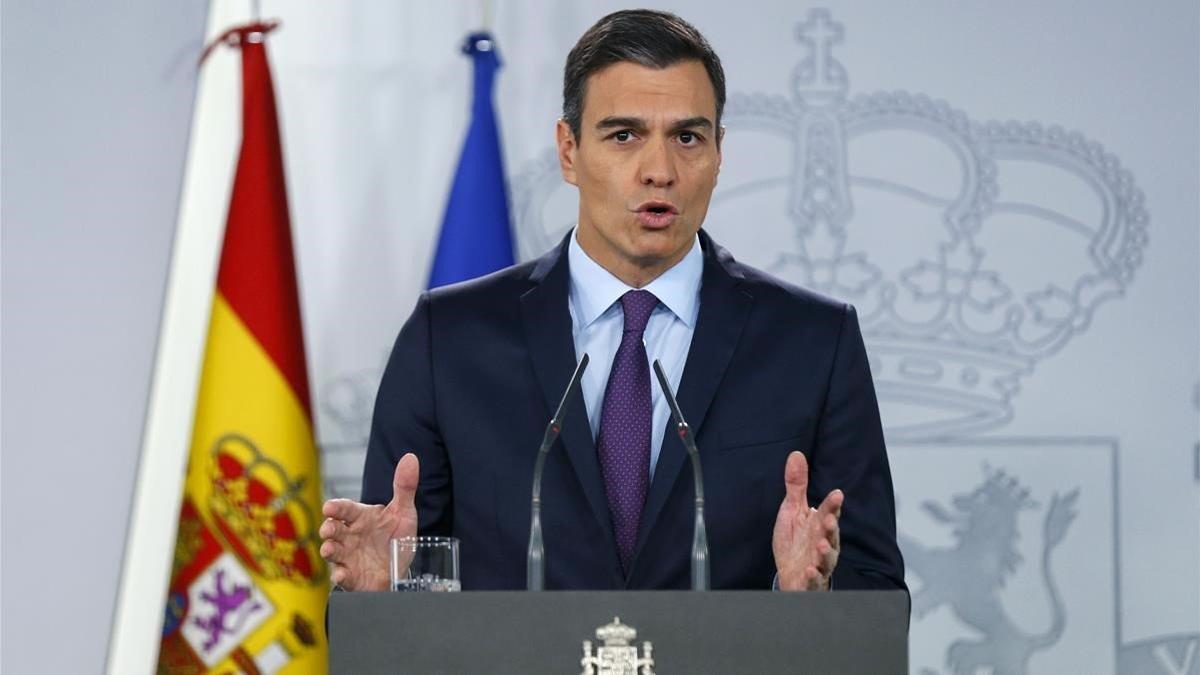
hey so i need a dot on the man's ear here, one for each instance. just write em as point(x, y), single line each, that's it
point(720, 142)
point(567, 145)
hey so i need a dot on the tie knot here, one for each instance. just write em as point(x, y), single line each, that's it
point(638, 305)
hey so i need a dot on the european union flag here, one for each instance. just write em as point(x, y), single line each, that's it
point(476, 236)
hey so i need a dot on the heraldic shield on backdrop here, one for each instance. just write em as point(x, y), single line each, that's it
point(919, 215)
point(248, 587)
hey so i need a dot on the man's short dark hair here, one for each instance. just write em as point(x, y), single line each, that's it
point(643, 36)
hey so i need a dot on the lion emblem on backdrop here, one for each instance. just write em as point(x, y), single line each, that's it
point(967, 577)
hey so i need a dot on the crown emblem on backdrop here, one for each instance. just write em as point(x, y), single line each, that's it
point(971, 250)
point(258, 511)
point(618, 656)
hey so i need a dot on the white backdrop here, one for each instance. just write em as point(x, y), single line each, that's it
point(1008, 193)
point(96, 102)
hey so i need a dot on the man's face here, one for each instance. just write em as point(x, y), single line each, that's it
point(645, 163)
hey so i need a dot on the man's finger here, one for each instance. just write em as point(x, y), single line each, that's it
point(332, 528)
point(331, 551)
point(832, 504)
point(338, 574)
point(812, 578)
point(344, 510)
point(832, 531)
point(405, 480)
point(826, 556)
point(795, 479)
point(829, 562)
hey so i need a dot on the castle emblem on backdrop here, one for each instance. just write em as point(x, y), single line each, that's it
point(919, 216)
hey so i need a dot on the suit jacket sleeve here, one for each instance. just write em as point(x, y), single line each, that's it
point(405, 420)
point(850, 454)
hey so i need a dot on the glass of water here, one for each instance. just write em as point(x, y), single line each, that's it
point(425, 564)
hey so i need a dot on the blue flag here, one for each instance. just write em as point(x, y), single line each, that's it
point(476, 236)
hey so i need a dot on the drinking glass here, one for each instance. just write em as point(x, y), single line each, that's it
point(425, 564)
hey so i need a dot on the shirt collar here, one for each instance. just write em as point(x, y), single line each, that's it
point(594, 289)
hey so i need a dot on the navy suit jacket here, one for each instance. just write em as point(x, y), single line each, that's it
point(479, 367)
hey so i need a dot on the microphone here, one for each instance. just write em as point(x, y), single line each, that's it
point(536, 559)
point(699, 533)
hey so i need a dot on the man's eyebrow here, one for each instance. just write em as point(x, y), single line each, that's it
point(621, 122)
point(698, 122)
point(692, 123)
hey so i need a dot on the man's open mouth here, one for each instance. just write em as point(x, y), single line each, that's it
point(656, 215)
point(658, 208)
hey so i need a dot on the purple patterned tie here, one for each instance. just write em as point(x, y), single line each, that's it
point(625, 423)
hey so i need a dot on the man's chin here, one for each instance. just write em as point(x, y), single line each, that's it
point(650, 256)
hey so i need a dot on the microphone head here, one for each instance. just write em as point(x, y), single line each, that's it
point(571, 387)
point(670, 395)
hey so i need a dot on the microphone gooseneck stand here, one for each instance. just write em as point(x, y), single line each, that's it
point(699, 532)
point(536, 558)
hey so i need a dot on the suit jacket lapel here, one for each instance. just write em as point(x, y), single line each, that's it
point(548, 334)
point(724, 309)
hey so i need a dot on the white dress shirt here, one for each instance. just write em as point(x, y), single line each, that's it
point(597, 322)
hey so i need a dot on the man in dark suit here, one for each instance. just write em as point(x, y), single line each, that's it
point(773, 379)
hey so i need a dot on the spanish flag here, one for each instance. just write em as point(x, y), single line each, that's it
point(248, 587)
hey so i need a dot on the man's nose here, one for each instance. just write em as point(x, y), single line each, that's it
point(657, 169)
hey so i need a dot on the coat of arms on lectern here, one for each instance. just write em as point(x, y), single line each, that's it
point(618, 656)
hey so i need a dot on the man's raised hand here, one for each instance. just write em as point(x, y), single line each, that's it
point(806, 540)
point(355, 536)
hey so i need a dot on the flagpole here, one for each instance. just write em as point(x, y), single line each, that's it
point(166, 439)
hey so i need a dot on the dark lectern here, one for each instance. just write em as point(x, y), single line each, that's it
point(619, 633)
